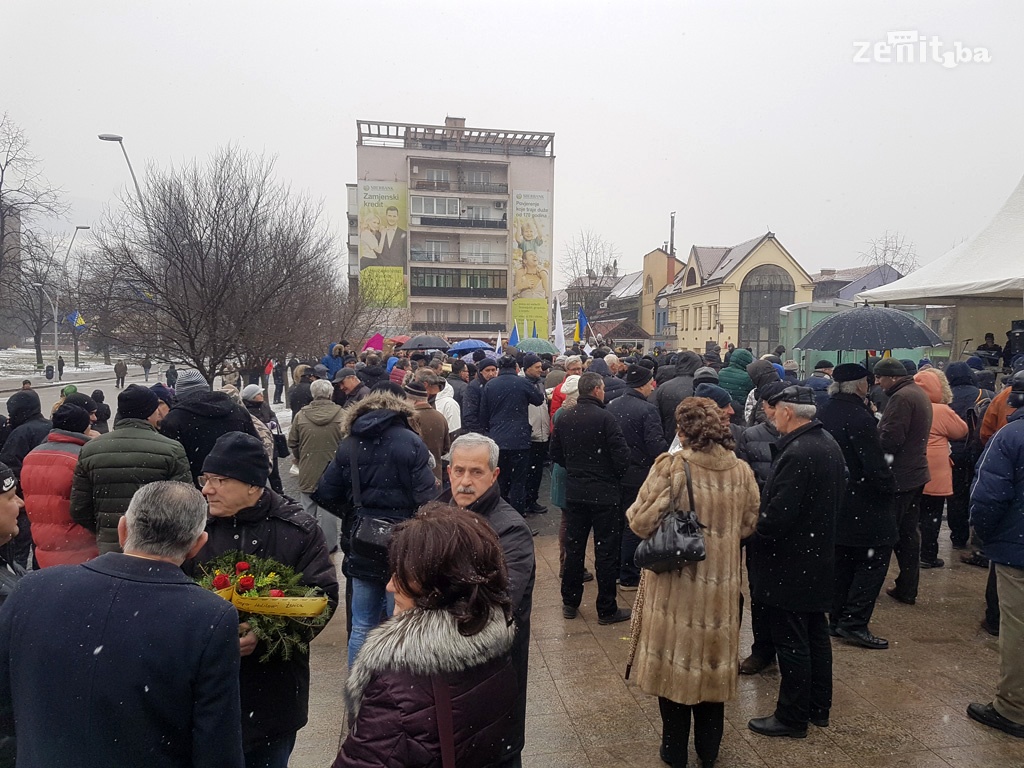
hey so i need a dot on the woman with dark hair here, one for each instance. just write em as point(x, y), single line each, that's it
point(686, 623)
point(430, 686)
point(390, 387)
point(102, 424)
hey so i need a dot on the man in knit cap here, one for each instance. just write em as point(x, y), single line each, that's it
point(113, 466)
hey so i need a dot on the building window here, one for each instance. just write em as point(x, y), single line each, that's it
point(479, 315)
point(479, 177)
point(438, 174)
point(763, 292)
point(649, 287)
point(686, 319)
point(434, 206)
point(437, 315)
point(691, 277)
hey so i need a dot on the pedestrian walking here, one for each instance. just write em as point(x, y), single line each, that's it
point(147, 366)
point(60, 367)
point(120, 371)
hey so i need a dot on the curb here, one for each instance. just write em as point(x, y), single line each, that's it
point(52, 385)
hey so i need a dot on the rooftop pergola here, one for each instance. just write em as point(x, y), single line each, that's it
point(448, 138)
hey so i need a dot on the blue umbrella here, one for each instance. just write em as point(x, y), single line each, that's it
point(469, 345)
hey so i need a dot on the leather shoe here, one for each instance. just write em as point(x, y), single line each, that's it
point(570, 611)
point(833, 632)
point(994, 631)
point(986, 715)
point(752, 665)
point(975, 558)
point(770, 726)
point(537, 509)
point(587, 576)
point(821, 722)
point(623, 614)
point(863, 638)
point(938, 562)
point(900, 598)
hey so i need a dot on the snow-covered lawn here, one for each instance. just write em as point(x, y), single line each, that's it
point(22, 362)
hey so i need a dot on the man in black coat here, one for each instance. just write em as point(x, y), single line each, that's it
point(459, 379)
point(28, 429)
point(373, 372)
point(669, 395)
point(795, 563)
point(590, 445)
point(641, 426)
point(139, 666)
point(505, 418)
point(473, 472)
point(866, 526)
point(487, 369)
point(247, 516)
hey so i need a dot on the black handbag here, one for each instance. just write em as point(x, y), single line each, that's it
point(281, 444)
point(370, 535)
point(678, 540)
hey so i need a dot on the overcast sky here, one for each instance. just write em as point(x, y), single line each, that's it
point(740, 116)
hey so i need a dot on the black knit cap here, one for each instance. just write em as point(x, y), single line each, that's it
point(637, 376)
point(823, 365)
point(7, 478)
point(506, 361)
point(849, 372)
point(240, 457)
point(71, 418)
point(137, 402)
point(82, 401)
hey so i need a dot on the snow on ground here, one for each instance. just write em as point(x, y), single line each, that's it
point(21, 361)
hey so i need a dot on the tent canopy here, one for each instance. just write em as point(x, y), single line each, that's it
point(989, 265)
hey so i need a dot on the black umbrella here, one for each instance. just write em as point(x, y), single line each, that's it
point(867, 327)
point(426, 342)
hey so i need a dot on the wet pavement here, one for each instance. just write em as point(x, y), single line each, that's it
point(903, 707)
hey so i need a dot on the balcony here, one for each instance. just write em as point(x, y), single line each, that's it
point(451, 257)
point(463, 186)
point(461, 293)
point(419, 325)
point(451, 221)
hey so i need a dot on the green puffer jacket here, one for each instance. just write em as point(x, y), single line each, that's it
point(313, 440)
point(734, 379)
point(113, 466)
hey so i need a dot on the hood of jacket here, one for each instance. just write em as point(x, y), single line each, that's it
point(425, 643)
point(373, 414)
point(762, 372)
point(210, 405)
point(740, 358)
point(960, 373)
point(447, 393)
point(331, 347)
point(321, 412)
point(930, 383)
point(22, 406)
point(687, 363)
point(373, 371)
point(600, 366)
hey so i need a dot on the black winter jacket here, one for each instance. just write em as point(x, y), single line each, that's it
point(198, 420)
point(299, 396)
point(903, 432)
point(867, 517)
point(471, 406)
point(395, 477)
point(505, 409)
point(459, 386)
point(754, 446)
point(669, 395)
point(795, 536)
point(22, 440)
point(275, 694)
point(641, 426)
point(613, 386)
point(590, 445)
point(373, 374)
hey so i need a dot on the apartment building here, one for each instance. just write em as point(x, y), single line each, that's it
point(454, 224)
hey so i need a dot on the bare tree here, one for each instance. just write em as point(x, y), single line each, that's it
point(892, 251)
point(40, 270)
point(590, 265)
point(221, 264)
point(25, 195)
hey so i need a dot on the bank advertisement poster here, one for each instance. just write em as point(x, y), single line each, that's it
point(383, 241)
point(531, 259)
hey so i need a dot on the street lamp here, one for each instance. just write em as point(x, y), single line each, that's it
point(53, 303)
point(138, 191)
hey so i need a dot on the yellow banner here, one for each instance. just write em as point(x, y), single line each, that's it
point(275, 606)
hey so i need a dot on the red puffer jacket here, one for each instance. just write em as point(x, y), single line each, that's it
point(390, 694)
point(46, 479)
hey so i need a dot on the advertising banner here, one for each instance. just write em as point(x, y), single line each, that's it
point(383, 241)
point(531, 259)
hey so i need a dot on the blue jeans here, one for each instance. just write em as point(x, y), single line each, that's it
point(271, 754)
point(371, 604)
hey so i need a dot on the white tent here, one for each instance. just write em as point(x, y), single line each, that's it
point(989, 265)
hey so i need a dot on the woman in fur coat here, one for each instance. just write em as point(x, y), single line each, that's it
point(686, 623)
point(430, 685)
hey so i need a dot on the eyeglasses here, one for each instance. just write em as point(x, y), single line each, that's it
point(213, 481)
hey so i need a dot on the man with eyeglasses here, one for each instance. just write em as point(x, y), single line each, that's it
point(247, 516)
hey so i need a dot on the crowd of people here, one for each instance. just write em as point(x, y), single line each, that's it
point(418, 475)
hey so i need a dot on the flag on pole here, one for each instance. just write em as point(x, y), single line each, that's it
point(535, 329)
point(497, 346)
point(75, 320)
point(559, 328)
point(581, 326)
point(513, 340)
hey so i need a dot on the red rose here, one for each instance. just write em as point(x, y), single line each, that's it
point(241, 567)
point(276, 593)
point(246, 583)
point(221, 581)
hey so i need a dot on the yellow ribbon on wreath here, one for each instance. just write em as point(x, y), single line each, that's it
point(275, 606)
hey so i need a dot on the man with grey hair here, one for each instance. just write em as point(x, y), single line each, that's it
point(473, 471)
point(125, 633)
point(793, 572)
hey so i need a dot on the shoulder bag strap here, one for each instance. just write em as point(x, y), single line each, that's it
point(357, 496)
point(445, 721)
point(689, 486)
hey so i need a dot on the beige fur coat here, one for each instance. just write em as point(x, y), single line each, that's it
point(688, 622)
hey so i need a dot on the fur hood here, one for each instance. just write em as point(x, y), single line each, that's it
point(375, 401)
point(424, 643)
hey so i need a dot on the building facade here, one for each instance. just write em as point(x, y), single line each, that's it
point(455, 225)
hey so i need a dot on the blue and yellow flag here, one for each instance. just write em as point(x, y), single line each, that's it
point(75, 320)
point(581, 326)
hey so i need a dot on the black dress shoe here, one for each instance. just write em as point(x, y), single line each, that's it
point(821, 722)
point(537, 509)
point(587, 576)
point(994, 631)
point(975, 558)
point(752, 665)
point(986, 715)
point(833, 632)
point(863, 638)
point(938, 562)
point(770, 726)
point(570, 611)
point(900, 598)
point(623, 614)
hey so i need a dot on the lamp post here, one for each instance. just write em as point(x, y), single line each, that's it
point(67, 258)
point(53, 303)
point(138, 191)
